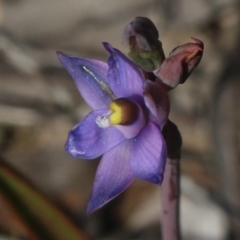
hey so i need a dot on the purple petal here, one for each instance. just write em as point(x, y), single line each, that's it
point(88, 141)
point(113, 176)
point(148, 154)
point(90, 77)
point(124, 76)
point(157, 101)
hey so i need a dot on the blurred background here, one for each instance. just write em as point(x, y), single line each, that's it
point(39, 104)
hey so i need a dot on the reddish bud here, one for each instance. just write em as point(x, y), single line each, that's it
point(179, 65)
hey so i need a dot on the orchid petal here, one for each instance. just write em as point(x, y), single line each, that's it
point(113, 176)
point(125, 79)
point(88, 141)
point(157, 101)
point(90, 77)
point(148, 154)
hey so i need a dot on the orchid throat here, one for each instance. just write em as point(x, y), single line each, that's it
point(122, 113)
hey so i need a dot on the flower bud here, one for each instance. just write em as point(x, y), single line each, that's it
point(179, 65)
point(140, 36)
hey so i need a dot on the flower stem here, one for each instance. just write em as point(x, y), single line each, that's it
point(170, 200)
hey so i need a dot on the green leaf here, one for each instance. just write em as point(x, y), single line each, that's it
point(36, 215)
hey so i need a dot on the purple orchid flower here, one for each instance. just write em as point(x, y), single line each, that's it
point(125, 125)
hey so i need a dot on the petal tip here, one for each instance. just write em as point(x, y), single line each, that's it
point(95, 204)
point(198, 41)
point(59, 54)
point(155, 179)
point(108, 47)
point(62, 57)
point(90, 211)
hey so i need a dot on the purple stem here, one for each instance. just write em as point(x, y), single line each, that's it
point(170, 200)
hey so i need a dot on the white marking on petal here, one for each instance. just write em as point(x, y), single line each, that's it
point(103, 120)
